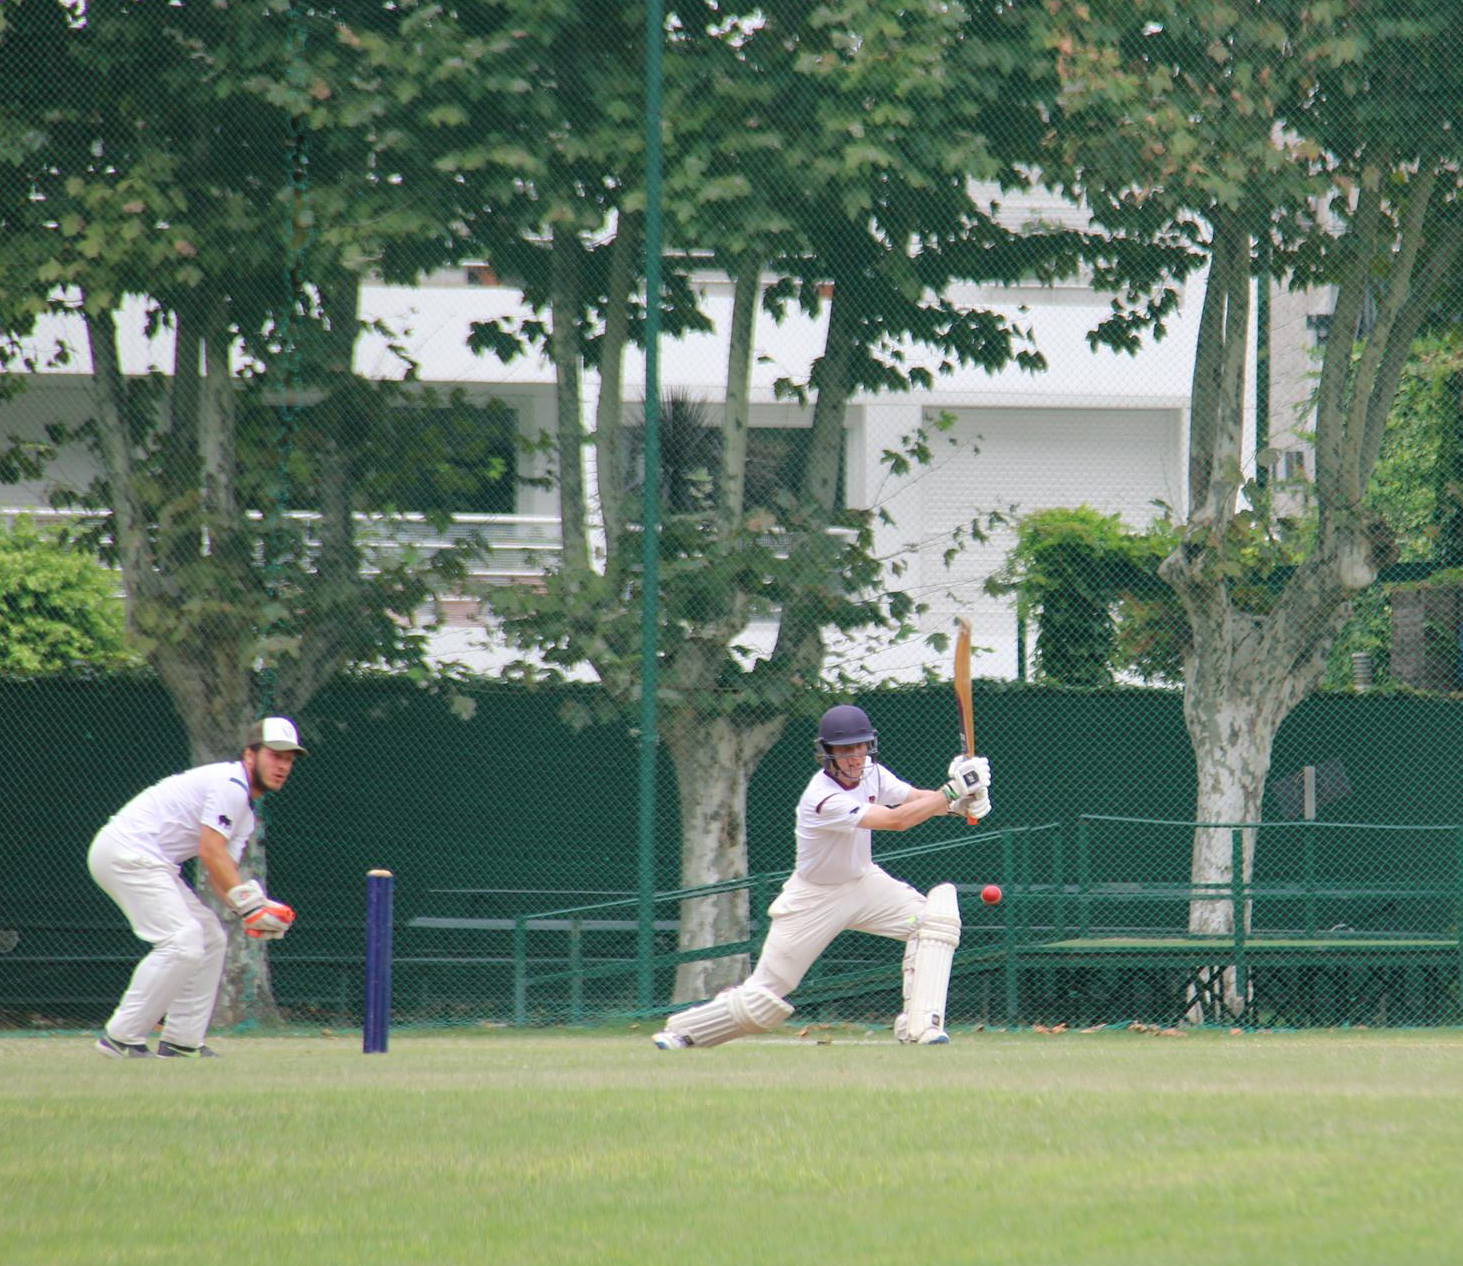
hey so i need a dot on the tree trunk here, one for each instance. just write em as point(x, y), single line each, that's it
point(1233, 732)
point(1232, 741)
point(715, 758)
point(1244, 674)
point(211, 680)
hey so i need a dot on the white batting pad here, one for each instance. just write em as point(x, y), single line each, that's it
point(934, 948)
point(732, 1013)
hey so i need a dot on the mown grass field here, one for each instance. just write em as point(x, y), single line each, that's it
point(554, 1147)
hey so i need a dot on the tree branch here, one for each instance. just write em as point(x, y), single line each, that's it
point(1205, 392)
point(608, 413)
point(1217, 397)
point(831, 376)
point(564, 347)
point(134, 551)
point(178, 526)
point(217, 458)
point(1224, 474)
point(748, 285)
point(1434, 268)
point(1361, 239)
point(1399, 286)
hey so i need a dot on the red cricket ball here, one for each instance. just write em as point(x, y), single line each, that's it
point(991, 894)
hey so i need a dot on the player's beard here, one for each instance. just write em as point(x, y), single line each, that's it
point(257, 786)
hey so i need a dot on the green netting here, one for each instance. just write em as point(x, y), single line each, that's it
point(555, 408)
point(397, 778)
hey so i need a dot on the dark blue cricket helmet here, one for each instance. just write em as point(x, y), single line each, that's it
point(842, 725)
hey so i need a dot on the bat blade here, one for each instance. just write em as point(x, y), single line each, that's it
point(962, 692)
point(962, 687)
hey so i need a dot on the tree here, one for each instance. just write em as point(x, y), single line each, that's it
point(161, 159)
point(1071, 568)
point(58, 605)
point(1328, 132)
point(822, 161)
point(871, 199)
point(1421, 512)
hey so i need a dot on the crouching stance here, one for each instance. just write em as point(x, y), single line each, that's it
point(836, 887)
point(136, 859)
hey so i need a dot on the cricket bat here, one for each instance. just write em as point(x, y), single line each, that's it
point(962, 691)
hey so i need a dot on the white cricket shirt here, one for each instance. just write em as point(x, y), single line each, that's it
point(165, 820)
point(832, 847)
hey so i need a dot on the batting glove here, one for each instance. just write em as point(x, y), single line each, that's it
point(969, 773)
point(971, 805)
point(956, 796)
point(264, 918)
point(975, 805)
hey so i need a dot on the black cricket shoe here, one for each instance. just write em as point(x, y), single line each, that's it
point(169, 1051)
point(113, 1049)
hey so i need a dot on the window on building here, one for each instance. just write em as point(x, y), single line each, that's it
point(690, 449)
point(460, 458)
point(428, 458)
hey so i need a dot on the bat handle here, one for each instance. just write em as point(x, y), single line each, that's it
point(968, 748)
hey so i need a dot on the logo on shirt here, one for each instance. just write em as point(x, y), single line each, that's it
point(225, 820)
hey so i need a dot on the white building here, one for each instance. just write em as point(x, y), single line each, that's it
point(1099, 428)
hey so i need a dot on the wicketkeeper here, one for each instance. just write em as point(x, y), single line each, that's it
point(208, 813)
point(836, 887)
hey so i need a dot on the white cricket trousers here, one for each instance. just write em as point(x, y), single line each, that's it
point(179, 978)
point(807, 916)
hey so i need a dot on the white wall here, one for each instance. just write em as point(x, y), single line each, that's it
point(47, 399)
point(1012, 461)
point(1099, 427)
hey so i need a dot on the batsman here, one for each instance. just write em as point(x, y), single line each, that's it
point(836, 887)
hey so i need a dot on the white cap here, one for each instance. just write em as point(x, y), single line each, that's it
point(278, 733)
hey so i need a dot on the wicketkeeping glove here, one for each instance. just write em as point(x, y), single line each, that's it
point(264, 918)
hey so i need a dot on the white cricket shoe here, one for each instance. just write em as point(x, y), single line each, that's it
point(933, 1037)
point(669, 1040)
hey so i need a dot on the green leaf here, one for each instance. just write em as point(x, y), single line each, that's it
point(447, 115)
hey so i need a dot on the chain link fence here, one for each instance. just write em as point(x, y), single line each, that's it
point(555, 430)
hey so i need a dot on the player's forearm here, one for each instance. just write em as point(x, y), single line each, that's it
point(223, 874)
point(920, 806)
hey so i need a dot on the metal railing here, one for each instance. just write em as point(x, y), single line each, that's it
point(575, 921)
point(1055, 917)
point(515, 546)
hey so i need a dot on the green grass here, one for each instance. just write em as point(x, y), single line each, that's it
point(555, 1147)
